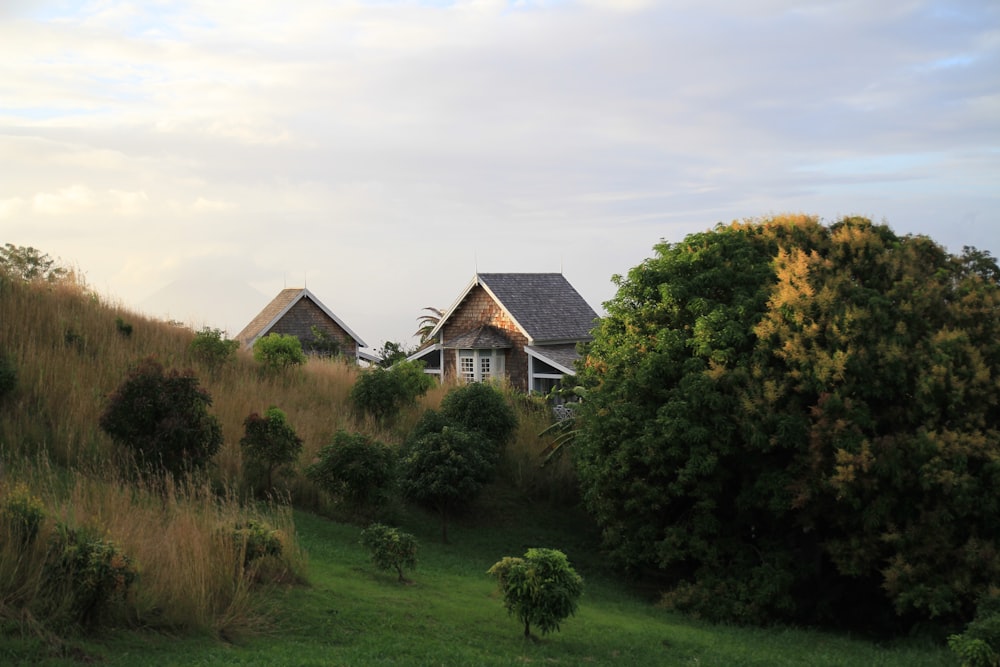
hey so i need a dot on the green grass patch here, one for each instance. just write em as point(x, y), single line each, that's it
point(353, 614)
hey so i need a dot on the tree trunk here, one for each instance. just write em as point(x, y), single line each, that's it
point(527, 629)
point(444, 526)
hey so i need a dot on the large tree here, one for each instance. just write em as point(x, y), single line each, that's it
point(793, 420)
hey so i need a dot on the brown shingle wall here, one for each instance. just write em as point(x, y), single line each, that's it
point(478, 309)
point(304, 315)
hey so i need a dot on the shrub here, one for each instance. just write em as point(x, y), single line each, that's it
point(8, 374)
point(22, 514)
point(268, 443)
point(278, 352)
point(480, 407)
point(390, 549)
point(210, 348)
point(86, 574)
point(355, 469)
point(383, 392)
point(541, 589)
point(256, 539)
point(322, 343)
point(979, 645)
point(163, 419)
point(123, 327)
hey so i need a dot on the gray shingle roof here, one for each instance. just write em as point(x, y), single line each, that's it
point(483, 338)
point(562, 356)
point(545, 305)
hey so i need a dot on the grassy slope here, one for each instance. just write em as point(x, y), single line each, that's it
point(351, 615)
point(450, 615)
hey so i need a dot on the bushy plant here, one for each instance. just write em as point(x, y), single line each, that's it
point(355, 469)
point(540, 589)
point(89, 573)
point(124, 328)
point(278, 352)
point(210, 348)
point(390, 548)
point(256, 539)
point(445, 470)
point(979, 645)
point(480, 407)
point(268, 444)
point(8, 374)
point(322, 343)
point(819, 400)
point(163, 419)
point(383, 392)
point(22, 514)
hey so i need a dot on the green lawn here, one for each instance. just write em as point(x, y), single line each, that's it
point(353, 615)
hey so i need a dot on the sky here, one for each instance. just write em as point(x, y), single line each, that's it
point(194, 158)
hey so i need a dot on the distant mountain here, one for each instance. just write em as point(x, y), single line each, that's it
point(218, 303)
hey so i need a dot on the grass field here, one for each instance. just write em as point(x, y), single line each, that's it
point(351, 614)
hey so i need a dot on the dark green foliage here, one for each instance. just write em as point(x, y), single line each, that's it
point(123, 327)
point(29, 264)
point(446, 470)
point(8, 374)
point(793, 421)
point(391, 353)
point(21, 515)
point(383, 392)
point(541, 589)
point(210, 348)
point(278, 352)
point(86, 576)
point(321, 343)
point(268, 443)
point(480, 407)
point(390, 548)
point(163, 419)
point(355, 469)
point(256, 539)
point(979, 645)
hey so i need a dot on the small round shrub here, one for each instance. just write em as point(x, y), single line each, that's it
point(210, 348)
point(481, 407)
point(22, 514)
point(269, 443)
point(256, 539)
point(541, 589)
point(278, 352)
point(383, 392)
point(355, 469)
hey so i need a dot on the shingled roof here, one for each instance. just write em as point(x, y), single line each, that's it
point(277, 308)
point(544, 305)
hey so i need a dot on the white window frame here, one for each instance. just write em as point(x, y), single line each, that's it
point(481, 365)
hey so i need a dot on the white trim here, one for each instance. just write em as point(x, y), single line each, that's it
point(458, 302)
point(534, 353)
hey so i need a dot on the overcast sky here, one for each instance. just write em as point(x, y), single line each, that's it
point(197, 157)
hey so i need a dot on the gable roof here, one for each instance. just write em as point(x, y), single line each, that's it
point(281, 304)
point(544, 306)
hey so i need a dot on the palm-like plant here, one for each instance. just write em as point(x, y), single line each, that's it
point(427, 322)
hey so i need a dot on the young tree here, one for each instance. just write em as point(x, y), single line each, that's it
point(356, 469)
point(278, 352)
point(445, 470)
point(390, 548)
point(163, 419)
point(211, 348)
point(268, 443)
point(800, 421)
point(541, 589)
point(391, 353)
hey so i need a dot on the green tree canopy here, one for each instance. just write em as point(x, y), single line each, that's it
point(790, 420)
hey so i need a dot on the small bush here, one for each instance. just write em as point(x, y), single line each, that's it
point(86, 576)
point(210, 348)
point(278, 352)
point(355, 469)
point(383, 392)
point(163, 419)
point(22, 514)
point(390, 549)
point(256, 539)
point(481, 407)
point(979, 645)
point(8, 375)
point(541, 589)
point(123, 327)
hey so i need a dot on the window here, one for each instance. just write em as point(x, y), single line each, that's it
point(480, 365)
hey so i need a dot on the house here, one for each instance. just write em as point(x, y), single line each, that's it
point(298, 312)
point(520, 326)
